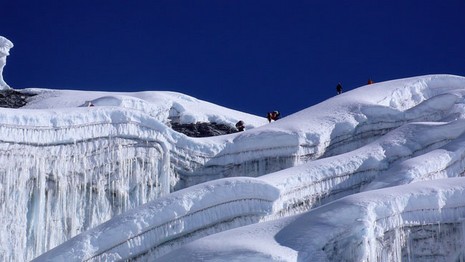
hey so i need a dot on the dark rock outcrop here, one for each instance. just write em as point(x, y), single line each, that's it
point(203, 129)
point(13, 99)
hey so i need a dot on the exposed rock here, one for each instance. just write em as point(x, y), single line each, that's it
point(203, 129)
point(13, 99)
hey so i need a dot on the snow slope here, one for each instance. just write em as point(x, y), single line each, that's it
point(371, 174)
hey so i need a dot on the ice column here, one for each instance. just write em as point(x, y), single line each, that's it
point(5, 46)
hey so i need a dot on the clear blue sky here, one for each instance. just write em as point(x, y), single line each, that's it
point(253, 56)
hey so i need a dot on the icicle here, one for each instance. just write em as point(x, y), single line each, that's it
point(49, 193)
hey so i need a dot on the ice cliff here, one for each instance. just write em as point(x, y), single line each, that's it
point(67, 167)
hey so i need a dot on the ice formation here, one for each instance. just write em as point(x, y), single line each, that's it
point(68, 169)
point(353, 171)
point(5, 46)
point(415, 222)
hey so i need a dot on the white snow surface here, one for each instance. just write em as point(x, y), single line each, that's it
point(373, 174)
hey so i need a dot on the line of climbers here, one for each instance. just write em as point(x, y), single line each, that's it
point(271, 116)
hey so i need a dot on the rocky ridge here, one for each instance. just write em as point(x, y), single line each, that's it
point(13, 99)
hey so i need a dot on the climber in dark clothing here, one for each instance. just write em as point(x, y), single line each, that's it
point(339, 88)
point(240, 126)
point(272, 116)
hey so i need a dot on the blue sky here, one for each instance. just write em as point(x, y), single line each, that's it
point(253, 56)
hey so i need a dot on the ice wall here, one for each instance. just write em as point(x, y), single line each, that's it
point(5, 46)
point(171, 221)
point(59, 179)
point(416, 222)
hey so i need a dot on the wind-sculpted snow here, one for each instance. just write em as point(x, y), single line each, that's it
point(121, 154)
point(417, 222)
point(171, 221)
point(385, 159)
point(325, 180)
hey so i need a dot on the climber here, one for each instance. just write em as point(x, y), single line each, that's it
point(272, 116)
point(89, 104)
point(240, 126)
point(339, 88)
point(370, 81)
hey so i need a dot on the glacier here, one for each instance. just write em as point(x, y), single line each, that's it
point(373, 174)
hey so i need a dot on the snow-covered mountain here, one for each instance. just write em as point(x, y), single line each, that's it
point(373, 174)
